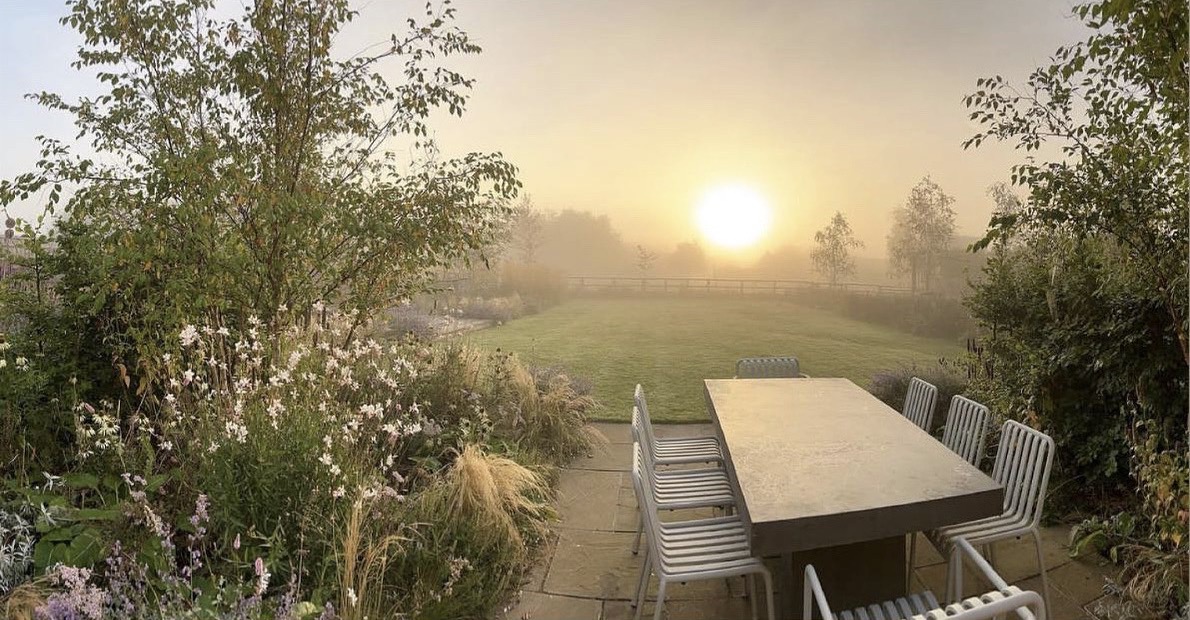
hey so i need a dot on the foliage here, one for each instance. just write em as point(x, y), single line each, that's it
point(287, 451)
point(242, 168)
point(537, 285)
point(526, 230)
point(921, 233)
point(687, 259)
point(16, 550)
point(1085, 294)
point(832, 257)
point(644, 259)
point(891, 385)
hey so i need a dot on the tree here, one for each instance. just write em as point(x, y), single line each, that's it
point(243, 169)
point(580, 242)
point(687, 259)
point(1117, 106)
point(1087, 284)
point(921, 234)
point(644, 259)
point(832, 258)
point(527, 230)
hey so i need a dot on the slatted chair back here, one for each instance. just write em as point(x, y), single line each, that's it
point(767, 368)
point(646, 425)
point(966, 429)
point(642, 485)
point(646, 453)
point(1023, 463)
point(919, 403)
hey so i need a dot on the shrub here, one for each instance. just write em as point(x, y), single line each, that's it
point(367, 475)
point(890, 386)
point(540, 286)
point(499, 309)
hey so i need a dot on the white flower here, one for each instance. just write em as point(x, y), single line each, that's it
point(22, 363)
point(3, 362)
point(339, 492)
point(352, 599)
point(189, 335)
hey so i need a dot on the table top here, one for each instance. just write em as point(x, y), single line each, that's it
point(821, 463)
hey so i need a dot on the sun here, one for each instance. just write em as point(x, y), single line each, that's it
point(733, 216)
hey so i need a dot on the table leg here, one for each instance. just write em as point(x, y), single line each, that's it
point(851, 575)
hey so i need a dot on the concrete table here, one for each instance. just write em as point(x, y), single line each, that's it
point(833, 477)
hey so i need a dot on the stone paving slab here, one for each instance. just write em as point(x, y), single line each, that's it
point(538, 606)
point(610, 457)
point(615, 432)
point(593, 564)
point(588, 499)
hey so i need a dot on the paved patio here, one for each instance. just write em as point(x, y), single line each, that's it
point(589, 572)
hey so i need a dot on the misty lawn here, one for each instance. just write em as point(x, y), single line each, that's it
point(670, 345)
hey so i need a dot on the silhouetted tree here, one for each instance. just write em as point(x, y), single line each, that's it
point(832, 258)
point(645, 259)
point(527, 230)
point(921, 233)
point(687, 259)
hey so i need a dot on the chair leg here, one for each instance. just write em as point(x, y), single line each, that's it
point(912, 562)
point(751, 589)
point(768, 593)
point(660, 606)
point(642, 584)
point(640, 530)
point(1045, 586)
point(954, 582)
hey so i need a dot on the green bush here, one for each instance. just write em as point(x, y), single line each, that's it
point(890, 386)
point(289, 436)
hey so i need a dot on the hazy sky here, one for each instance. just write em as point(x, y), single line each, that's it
point(635, 108)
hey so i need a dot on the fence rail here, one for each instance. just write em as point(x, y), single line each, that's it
point(722, 285)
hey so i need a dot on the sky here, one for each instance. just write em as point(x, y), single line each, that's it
point(636, 109)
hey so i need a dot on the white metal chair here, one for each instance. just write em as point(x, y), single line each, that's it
point(677, 489)
point(768, 368)
point(674, 450)
point(1023, 463)
point(682, 551)
point(1003, 600)
point(919, 403)
point(966, 428)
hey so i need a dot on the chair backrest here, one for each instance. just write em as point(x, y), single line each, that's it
point(1023, 463)
point(919, 403)
point(646, 451)
point(646, 425)
point(644, 491)
point(767, 368)
point(966, 429)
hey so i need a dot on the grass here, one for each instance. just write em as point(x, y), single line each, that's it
point(670, 345)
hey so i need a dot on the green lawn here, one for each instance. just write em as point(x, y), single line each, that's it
point(670, 345)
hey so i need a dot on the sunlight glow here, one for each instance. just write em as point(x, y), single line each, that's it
point(733, 216)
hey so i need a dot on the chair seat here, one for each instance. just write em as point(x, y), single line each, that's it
point(981, 531)
point(684, 451)
point(904, 608)
point(925, 606)
point(704, 546)
point(690, 475)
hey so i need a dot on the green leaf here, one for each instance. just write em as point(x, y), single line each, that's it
point(81, 481)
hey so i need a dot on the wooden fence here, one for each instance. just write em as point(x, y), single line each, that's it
point(721, 285)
